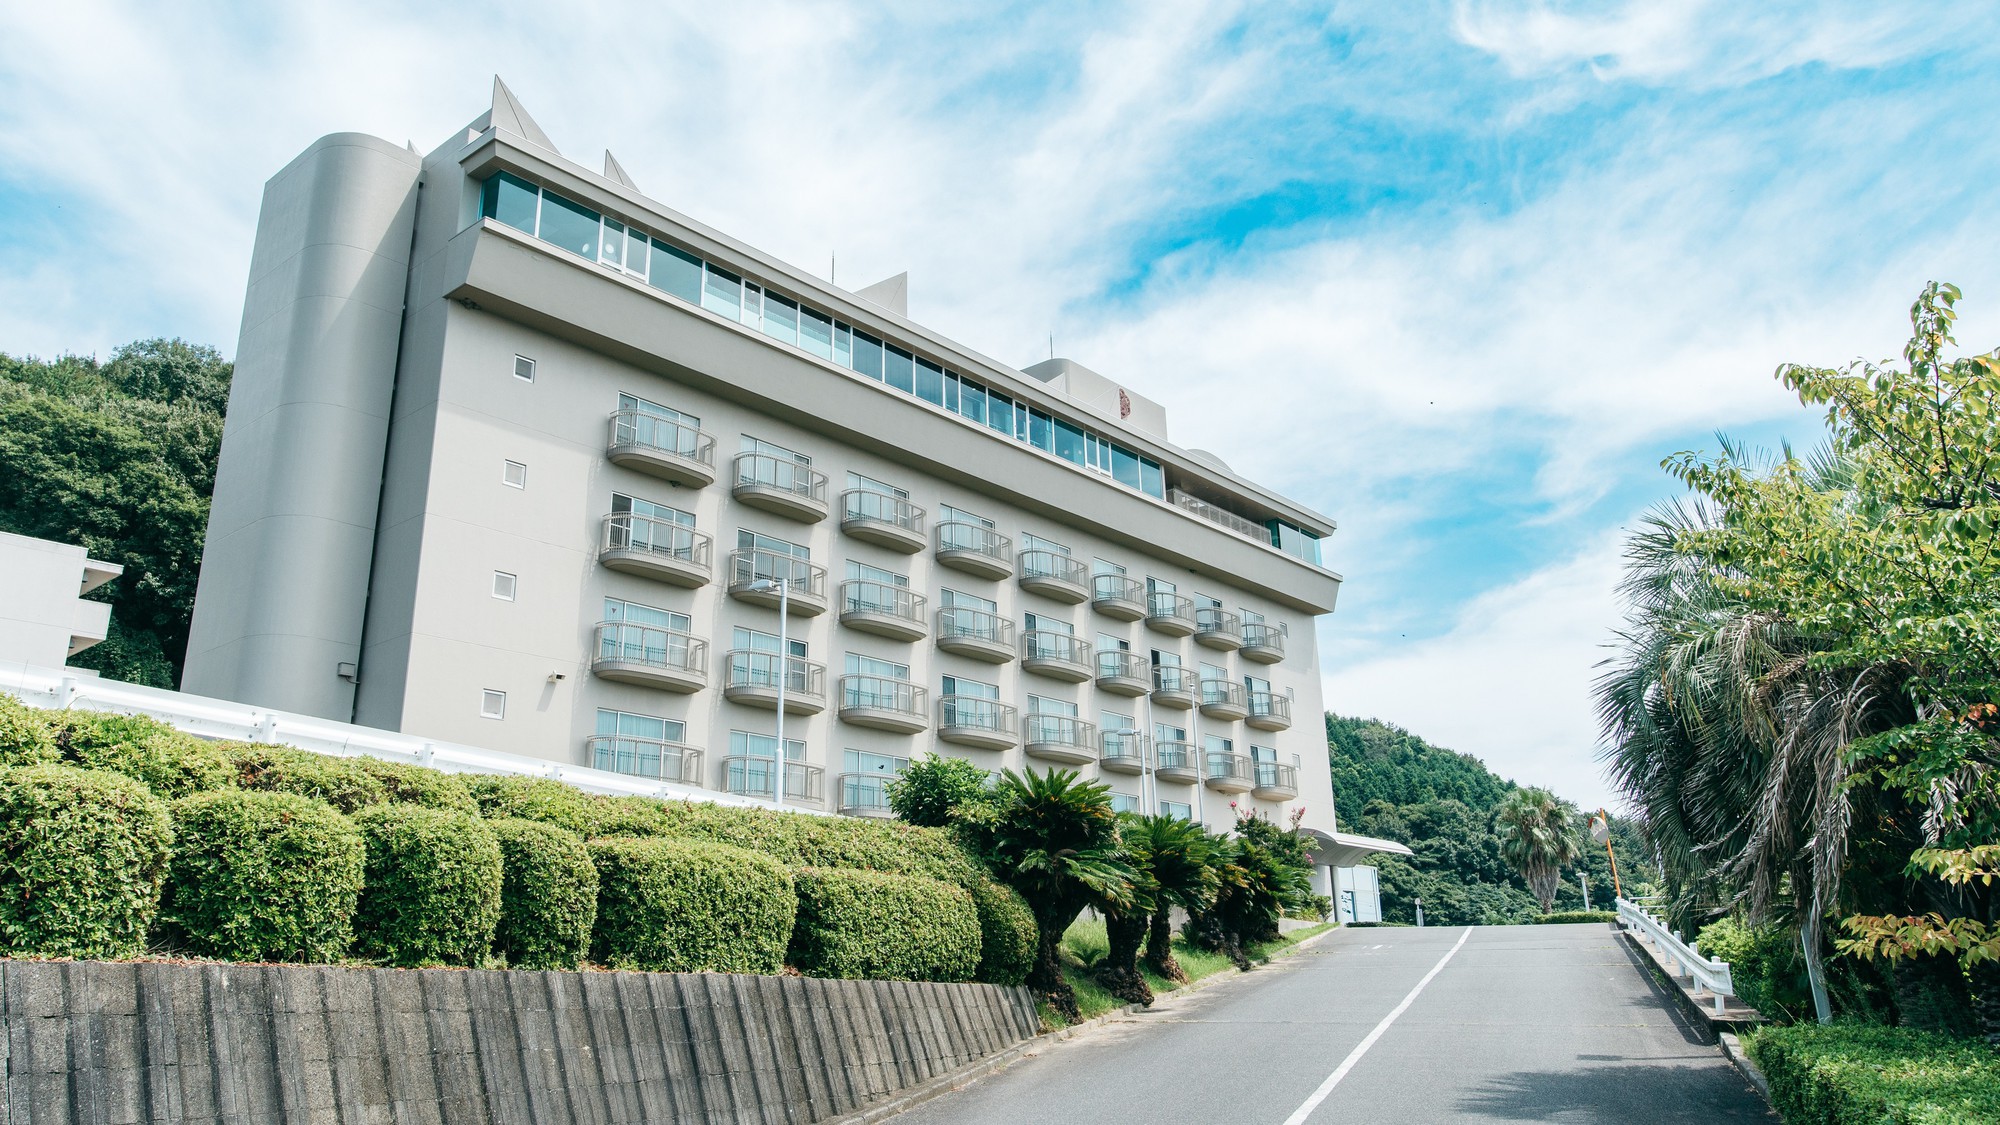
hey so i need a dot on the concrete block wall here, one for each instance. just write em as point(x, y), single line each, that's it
point(125, 1043)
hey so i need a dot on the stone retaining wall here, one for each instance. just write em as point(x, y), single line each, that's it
point(120, 1043)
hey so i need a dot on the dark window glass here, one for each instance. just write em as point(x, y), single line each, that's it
point(901, 373)
point(1295, 541)
point(722, 293)
point(930, 382)
point(1041, 431)
point(1124, 466)
point(972, 400)
point(815, 333)
point(509, 199)
point(1000, 412)
point(868, 355)
point(571, 226)
point(1151, 481)
point(781, 319)
point(676, 271)
point(1069, 442)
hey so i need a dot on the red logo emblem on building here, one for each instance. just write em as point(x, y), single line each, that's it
point(1124, 404)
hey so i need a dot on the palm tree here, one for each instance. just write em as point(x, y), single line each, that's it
point(1170, 857)
point(1054, 838)
point(1538, 836)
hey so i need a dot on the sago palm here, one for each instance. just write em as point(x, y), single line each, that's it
point(1170, 857)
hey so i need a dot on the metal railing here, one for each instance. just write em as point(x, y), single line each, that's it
point(976, 712)
point(803, 577)
point(1688, 963)
point(881, 693)
point(650, 645)
point(866, 505)
point(1260, 634)
point(1273, 775)
point(645, 757)
point(782, 474)
point(1173, 755)
point(633, 427)
point(750, 668)
point(1222, 693)
point(1163, 606)
point(861, 595)
point(865, 793)
point(1270, 705)
point(749, 775)
point(1060, 730)
point(1213, 619)
point(624, 531)
point(958, 535)
point(1175, 678)
point(964, 621)
point(1118, 663)
point(1118, 589)
point(1125, 748)
point(1226, 765)
point(1047, 644)
point(1039, 562)
point(1221, 517)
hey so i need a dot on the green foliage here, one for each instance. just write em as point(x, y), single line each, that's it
point(170, 763)
point(341, 782)
point(548, 897)
point(82, 857)
point(683, 906)
point(1851, 1074)
point(431, 894)
point(1538, 836)
point(25, 737)
point(933, 788)
point(875, 926)
point(415, 785)
point(119, 458)
point(539, 799)
point(1006, 933)
point(263, 877)
point(1574, 917)
point(1375, 761)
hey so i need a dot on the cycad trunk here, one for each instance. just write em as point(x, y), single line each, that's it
point(1119, 971)
point(1051, 922)
point(1160, 947)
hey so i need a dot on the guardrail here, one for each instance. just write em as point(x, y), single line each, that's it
point(56, 688)
point(1688, 963)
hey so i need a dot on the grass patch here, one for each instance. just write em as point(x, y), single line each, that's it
point(1084, 944)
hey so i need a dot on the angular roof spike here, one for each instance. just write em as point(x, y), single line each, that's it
point(892, 293)
point(509, 114)
point(615, 172)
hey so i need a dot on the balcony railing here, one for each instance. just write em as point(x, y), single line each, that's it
point(651, 655)
point(781, 474)
point(1116, 595)
point(1170, 613)
point(1249, 529)
point(1173, 760)
point(1223, 699)
point(973, 713)
point(662, 447)
point(1123, 671)
point(975, 548)
point(749, 775)
point(863, 509)
point(884, 609)
point(1218, 628)
point(1060, 737)
point(1273, 781)
point(865, 794)
point(645, 757)
point(804, 578)
point(1062, 655)
point(1180, 684)
point(881, 693)
point(1269, 710)
point(1122, 753)
point(975, 633)
point(1226, 770)
point(804, 679)
point(1055, 575)
point(1263, 642)
point(654, 544)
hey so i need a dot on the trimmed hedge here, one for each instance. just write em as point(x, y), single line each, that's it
point(684, 906)
point(1007, 934)
point(548, 895)
point(431, 891)
point(263, 877)
point(341, 782)
point(168, 762)
point(1573, 917)
point(1849, 1074)
point(415, 785)
point(540, 799)
point(25, 738)
point(82, 857)
point(876, 926)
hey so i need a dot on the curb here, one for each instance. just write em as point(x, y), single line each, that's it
point(1732, 1049)
point(993, 1064)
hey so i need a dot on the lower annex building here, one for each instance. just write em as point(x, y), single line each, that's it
point(520, 458)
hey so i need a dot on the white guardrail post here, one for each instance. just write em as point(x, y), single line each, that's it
point(1712, 975)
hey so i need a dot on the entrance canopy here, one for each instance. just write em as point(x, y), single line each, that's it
point(1345, 849)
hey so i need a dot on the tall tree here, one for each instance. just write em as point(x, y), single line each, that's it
point(1538, 836)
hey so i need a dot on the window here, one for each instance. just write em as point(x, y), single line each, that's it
point(1036, 623)
point(862, 572)
point(930, 382)
point(503, 585)
point(1167, 732)
point(511, 200)
point(1255, 684)
point(1099, 566)
point(859, 665)
point(622, 505)
point(1263, 754)
point(781, 319)
point(772, 449)
point(949, 598)
point(572, 226)
point(637, 405)
point(1295, 541)
point(1124, 802)
point(949, 514)
point(1252, 617)
point(1111, 722)
point(879, 765)
point(753, 641)
point(748, 540)
point(617, 609)
point(1216, 744)
point(524, 369)
point(1177, 809)
point(624, 724)
point(816, 333)
point(870, 484)
point(974, 689)
point(1159, 586)
point(492, 704)
point(1042, 705)
point(676, 271)
point(722, 292)
point(746, 744)
point(629, 743)
point(899, 370)
point(753, 307)
point(513, 474)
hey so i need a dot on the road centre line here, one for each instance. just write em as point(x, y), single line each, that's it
point(1304, 1111)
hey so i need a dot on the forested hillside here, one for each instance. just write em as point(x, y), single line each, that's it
point(119, 457)
point(1392, 784)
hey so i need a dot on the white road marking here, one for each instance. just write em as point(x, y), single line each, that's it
point(1300, 1114)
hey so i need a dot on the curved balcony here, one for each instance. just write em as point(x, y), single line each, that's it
point(650, 657)
point(975, 549)
point(1218, 628)
point(1060, 738)
point(753, 576)
point(1270, 781)
point(882, 519)
point(1121, 753)
point(884, 704)
point(644, 757)
point(970, 720)
point(655, 548)
point(1116, 596)
point(748, 775)
point(895, 612)
point(1263, 642)
point(1226, 771)
point(1174, 762)
point(1059, 656)
point(1175, 686)
point(1123, 673)
point(751, 678)
point(661, 447)
point(983, 636)
point(1053, 574)
point(1172, 614)
point(864, 794)
point(1224, 699)
point(781, 486)
point(1269, 711)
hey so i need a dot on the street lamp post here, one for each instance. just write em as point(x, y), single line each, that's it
point(1129, 732)
point(784, 592)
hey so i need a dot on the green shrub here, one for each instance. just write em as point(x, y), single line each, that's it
point(1572, 917)
point(343, 783)
point(415, 785)
point(1849, 1074)
point(548, 895)
point(850, 843)
point(170, 763)
point(875, 926)
point(431, 892)
point(82, 856)
point(25, 738)
point(932, 788)
point(263, 877)
point(687, 906)
point(539, 799)
point(1007, 933)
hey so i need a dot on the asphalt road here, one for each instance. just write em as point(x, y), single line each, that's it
point(1523, 1023)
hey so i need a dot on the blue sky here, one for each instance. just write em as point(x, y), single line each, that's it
point(1458, 274)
